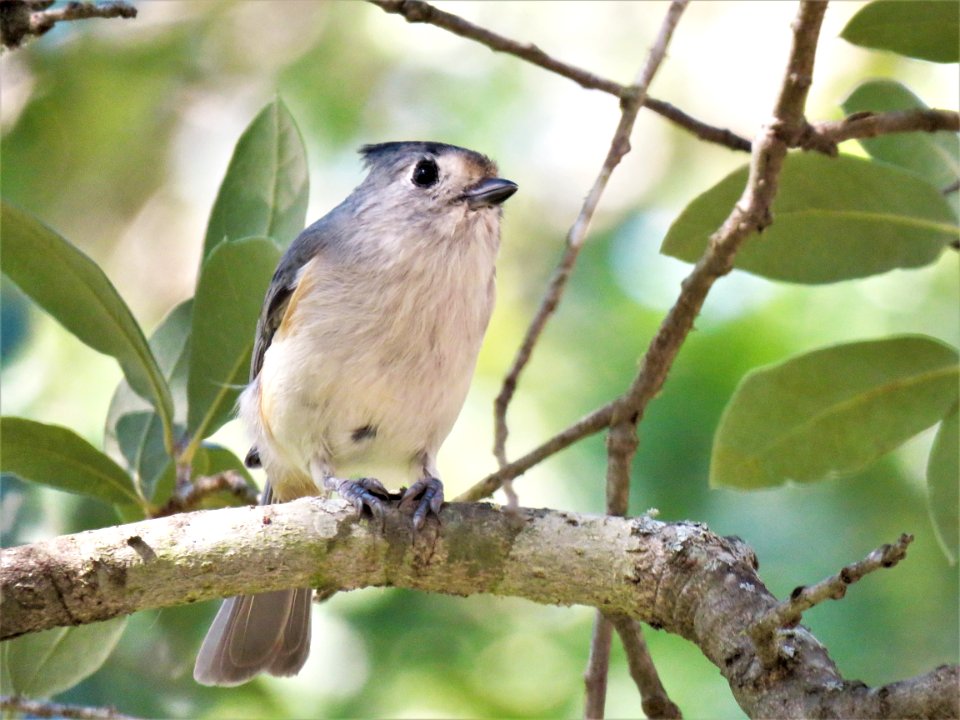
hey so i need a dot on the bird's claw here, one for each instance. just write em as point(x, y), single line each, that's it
point(363, 493)
point(426, 496)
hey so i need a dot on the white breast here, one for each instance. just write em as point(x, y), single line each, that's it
point(374, 359)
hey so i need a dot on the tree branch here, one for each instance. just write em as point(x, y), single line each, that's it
point(824, 136)
point(656, 703)
point(788, 613)
point(677, 576)
point(416, 11)
point(46, 709)
point(22, 19)
point(750, 215)
point(598, 668)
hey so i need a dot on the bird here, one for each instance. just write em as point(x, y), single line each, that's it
point(364, 352)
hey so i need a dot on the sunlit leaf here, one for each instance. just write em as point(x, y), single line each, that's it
point(833, 411)
point(933, 156)
point(58, 457)
point(230, 291)
point(75, 291)
point(42, 664)
point(266, 186)
point(943, 485)
point(834, 219)
point(925, 29)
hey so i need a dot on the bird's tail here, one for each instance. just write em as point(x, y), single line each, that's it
point(268, 632)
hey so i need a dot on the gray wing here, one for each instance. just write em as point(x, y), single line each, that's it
point(308, 243)
point(284, 282)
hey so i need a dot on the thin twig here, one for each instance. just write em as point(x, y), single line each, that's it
point(655, 701)
point(416, 11)
point(596, 676)
point(619, 146)
point(584, 427)
point(45, 709)
point(788, 613)
point(825, 136)
point(204, 487)
point(751, 214)
point(695, 287)
point(598, 666)
point(33, 18)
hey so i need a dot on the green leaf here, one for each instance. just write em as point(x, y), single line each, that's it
point(133, 433)
point(42, 664)
point(833, 411)
point(834, 219)
point(925, 29)
point(943, 485)
point(266, 187)
point(58, 457)
point(70, 286)
point(933, 156)
point(230, 292)
point(212, 459)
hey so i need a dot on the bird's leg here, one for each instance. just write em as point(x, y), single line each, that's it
point(425, 495)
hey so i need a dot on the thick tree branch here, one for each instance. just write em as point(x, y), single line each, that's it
point(677, 576)
point(23, 19)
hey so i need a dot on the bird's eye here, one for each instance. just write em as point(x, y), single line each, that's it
point(426, 173)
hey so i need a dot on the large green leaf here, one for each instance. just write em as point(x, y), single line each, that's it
point(943, 485)
point(925, 29)
point(834, 219)
point(42, 664)
point(266, 187)
point(933, 156)
point(133, 433)
point(58, 457)
point(70, 286)
point(833, 411)
point(230, 292)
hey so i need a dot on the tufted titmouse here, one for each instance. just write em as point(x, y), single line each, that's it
point(365, 348)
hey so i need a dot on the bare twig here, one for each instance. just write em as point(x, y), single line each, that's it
point(751, 214)
point(824, 136)
point(584, 427)
point(619, 146)
point(203, 487)
point(21, 19)
point(416, 11)
point(656, 703)
point(46, 709)
point(598, 667)
point(617, 496)
point(788, 613)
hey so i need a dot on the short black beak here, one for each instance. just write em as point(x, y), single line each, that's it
point(491, 191)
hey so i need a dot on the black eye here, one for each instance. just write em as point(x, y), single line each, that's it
point(426, 173)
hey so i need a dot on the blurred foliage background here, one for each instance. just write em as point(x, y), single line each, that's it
point(117, 133)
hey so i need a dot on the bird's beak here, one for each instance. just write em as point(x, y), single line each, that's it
point(491, 191)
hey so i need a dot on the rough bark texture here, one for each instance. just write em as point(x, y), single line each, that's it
point(677, 576)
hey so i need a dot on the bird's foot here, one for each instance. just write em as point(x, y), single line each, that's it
point(363, 493)
point(426, 496)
